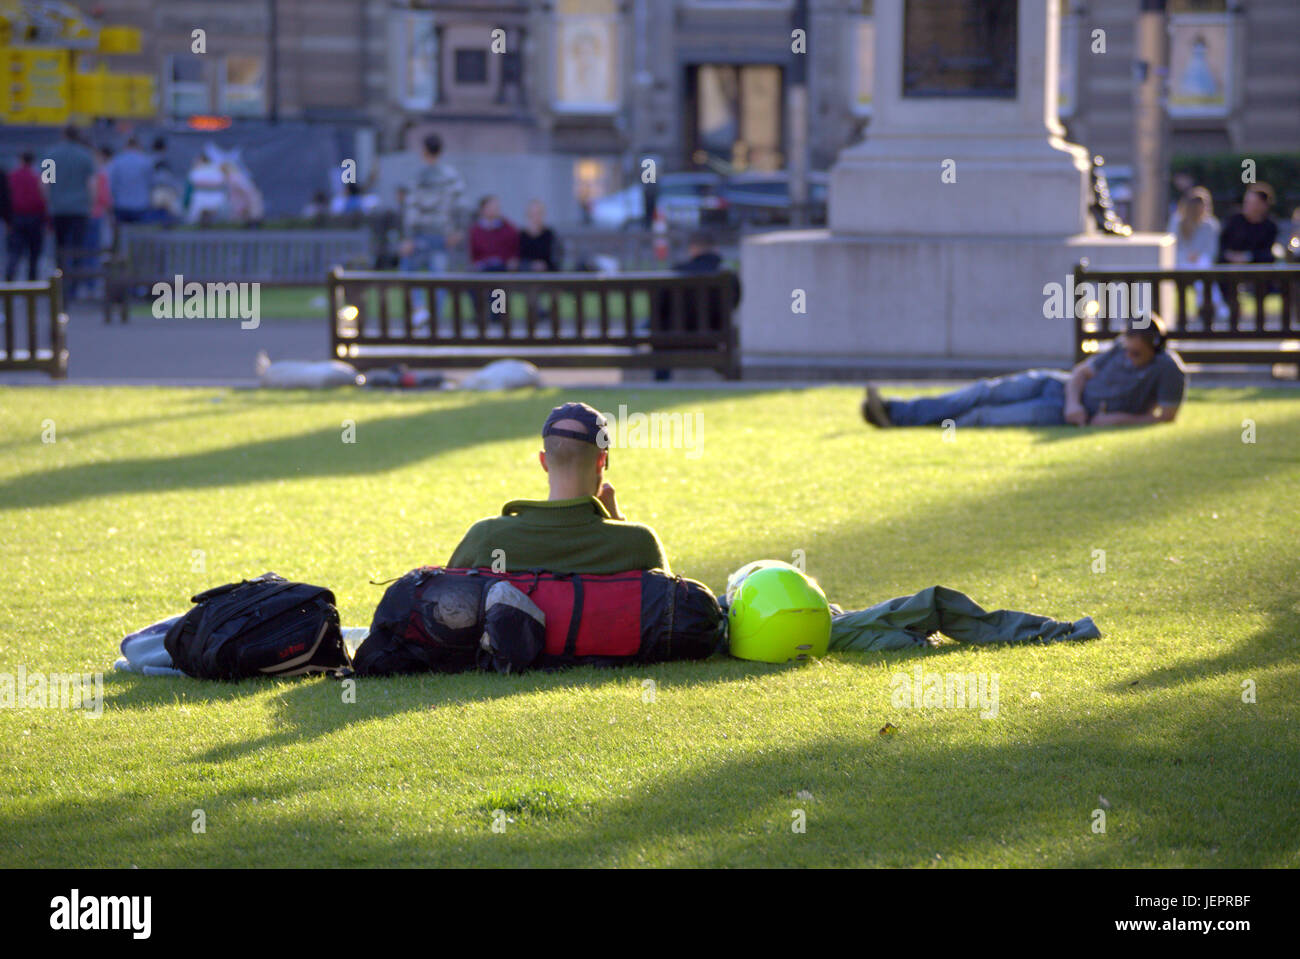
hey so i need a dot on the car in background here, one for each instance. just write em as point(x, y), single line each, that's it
point(687, 200)
point(763, 199)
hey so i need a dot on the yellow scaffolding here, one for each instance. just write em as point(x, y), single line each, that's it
point(43, 77)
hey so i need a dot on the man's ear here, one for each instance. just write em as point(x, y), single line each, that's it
point(541, 458)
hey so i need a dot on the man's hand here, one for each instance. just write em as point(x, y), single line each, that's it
point(1076, 415)
point(1236, 256)
point(606, 496)
point(1134, 419)
point(406, 247)
point(453, 239)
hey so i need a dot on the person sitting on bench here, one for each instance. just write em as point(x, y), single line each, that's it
point(1136, 380)
point(580, 528)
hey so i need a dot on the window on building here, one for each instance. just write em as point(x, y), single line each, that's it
point(960, 50)
point(414, 43)
point(587, 55)
point(471, 66)
point(188, 91)
point(593, 178)
point(1200, 58)
point(736, 115)
point(862, 38)
point(243, 86)
point(1068, 65)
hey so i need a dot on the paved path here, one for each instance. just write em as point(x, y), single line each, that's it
point(192, 351)
point(206, 352)
point(149, 351)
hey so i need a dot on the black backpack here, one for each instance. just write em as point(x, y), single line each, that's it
point(424, 622)
point(264, 626)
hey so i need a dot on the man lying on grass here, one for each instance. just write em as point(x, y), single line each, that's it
point(580, 528)
point(1136, 380)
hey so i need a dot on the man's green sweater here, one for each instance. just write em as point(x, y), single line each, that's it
point(563, 536)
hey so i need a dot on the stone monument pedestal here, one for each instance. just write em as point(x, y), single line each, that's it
point(949, 219)
point(882, 302)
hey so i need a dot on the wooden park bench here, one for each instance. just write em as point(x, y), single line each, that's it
point(147, 255)
point(35, 327)
point(1255, 336)
point(629, 320)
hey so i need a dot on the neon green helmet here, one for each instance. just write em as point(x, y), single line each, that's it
point(778, 615)
point(738, 577)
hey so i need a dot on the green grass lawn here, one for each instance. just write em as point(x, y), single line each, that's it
point(1199, 596)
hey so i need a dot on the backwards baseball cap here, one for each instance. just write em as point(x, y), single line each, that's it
point(593, 425)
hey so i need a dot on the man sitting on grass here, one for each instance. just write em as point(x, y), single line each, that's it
point(1136, 380)
point(580, 528)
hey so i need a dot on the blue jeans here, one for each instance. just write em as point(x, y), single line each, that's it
point(429, 256)
point(1035, 398)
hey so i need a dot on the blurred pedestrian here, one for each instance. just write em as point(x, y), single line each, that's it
point(1195, 228)
point(6, 206)
point(318, 209)
point(702, 256)
point(493, 240)
point(27, 229)
point(354, 202)
point(1247, 237)
point(649, 190)
point(207, 200)
point(431, 219)
point(539, 247)
point(130, 180)
point(165, 204)
point(101, 207)
point(1196, 232)
point(70, 188)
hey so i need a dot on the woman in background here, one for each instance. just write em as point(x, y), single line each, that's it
point(1197, 234)
point(208, 199)
point(493, 240)
point(539, 248)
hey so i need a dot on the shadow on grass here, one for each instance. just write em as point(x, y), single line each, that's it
point(310, 708)
point(383, 444)
point(930, 794)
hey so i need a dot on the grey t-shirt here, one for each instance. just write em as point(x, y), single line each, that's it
point(130, 177)
point(70, 188)
point(1117, 386)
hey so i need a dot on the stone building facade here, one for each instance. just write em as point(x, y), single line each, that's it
point(592, 86)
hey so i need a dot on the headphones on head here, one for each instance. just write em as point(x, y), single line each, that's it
point(1153, 332)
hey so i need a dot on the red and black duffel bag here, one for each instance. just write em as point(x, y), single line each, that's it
point(447, 620)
